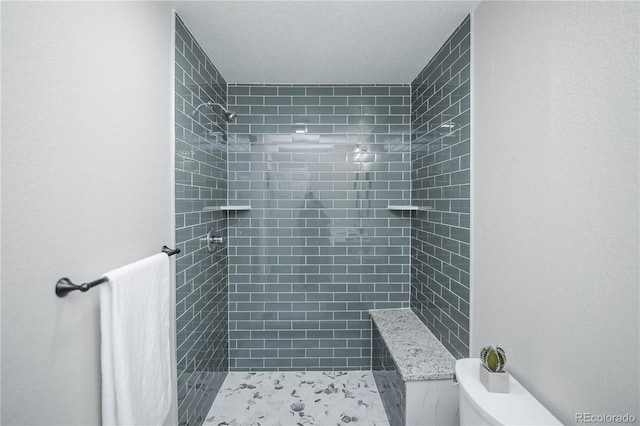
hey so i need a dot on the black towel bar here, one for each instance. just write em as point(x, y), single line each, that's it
point(64, 286)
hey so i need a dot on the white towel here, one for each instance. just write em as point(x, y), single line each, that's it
point(134, 320)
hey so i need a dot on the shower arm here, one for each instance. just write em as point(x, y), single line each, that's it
point(228, 115)
point(210, 105)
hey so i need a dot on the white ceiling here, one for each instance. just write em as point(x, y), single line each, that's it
point(321, 41)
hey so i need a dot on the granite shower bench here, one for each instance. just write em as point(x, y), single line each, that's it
point(413, 370)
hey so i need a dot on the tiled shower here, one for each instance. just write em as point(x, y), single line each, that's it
point(319, 165)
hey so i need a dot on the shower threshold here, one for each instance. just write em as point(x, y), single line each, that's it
point(298, 398)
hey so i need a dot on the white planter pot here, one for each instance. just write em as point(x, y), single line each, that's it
point(494, 382)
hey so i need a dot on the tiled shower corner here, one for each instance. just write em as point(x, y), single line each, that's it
point(201, 277)
point(441, 174)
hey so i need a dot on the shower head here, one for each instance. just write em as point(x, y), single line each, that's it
point(228, 115)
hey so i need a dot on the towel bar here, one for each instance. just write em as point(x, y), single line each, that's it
point(64, 286)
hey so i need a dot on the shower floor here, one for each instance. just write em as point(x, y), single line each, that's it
point(298, 398)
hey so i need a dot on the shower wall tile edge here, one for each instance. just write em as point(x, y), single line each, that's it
point(201, 277)
point(441, 163)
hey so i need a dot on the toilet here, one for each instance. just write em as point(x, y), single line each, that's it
point(480, 407)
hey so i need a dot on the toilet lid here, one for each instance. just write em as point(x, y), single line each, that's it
point(518, 407)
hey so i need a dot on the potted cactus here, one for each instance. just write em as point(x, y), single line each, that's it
point(492, 374)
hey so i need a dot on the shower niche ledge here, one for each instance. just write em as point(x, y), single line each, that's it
point(226, 208)
point(408, 208)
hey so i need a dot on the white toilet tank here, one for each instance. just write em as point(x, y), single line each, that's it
point(481, 407)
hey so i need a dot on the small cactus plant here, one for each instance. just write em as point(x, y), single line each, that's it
point(493, 358)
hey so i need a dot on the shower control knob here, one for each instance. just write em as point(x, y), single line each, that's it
point(214, 240)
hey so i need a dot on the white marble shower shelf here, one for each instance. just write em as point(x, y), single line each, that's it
point(408, 208)
point(226, 208)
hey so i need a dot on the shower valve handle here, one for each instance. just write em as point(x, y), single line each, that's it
point(214, 240)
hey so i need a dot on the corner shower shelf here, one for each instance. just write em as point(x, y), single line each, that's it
point(226, 208)
point(408, 208)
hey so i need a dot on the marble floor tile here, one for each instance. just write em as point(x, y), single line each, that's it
point(298, 399)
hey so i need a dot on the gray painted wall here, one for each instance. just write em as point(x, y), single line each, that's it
point(86, 187)
point(555, 199)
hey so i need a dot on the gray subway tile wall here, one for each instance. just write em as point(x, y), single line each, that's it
point(440, 139)
point(318, 164)
point(201, 277)
point(389, 382)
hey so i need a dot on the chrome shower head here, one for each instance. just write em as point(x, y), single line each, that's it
point(229, 115)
